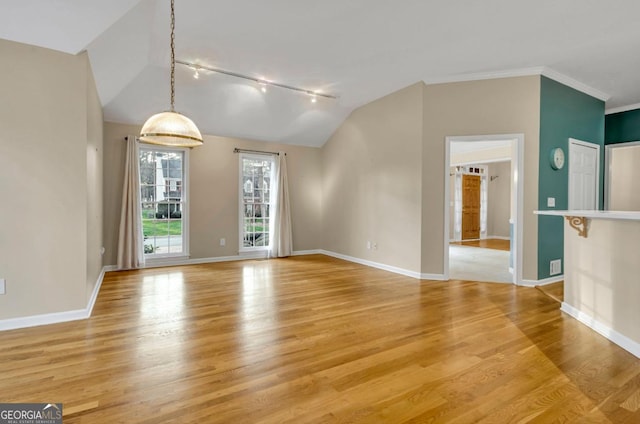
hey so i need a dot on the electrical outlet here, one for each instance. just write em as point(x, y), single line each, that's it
point(368, 245)
point(223, 242)
point(551, 202)
point(555, 267)
point(3, 286)
point(374, 246)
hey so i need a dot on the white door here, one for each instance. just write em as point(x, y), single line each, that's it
point(583, 175)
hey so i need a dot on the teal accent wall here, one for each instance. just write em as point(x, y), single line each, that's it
point(622, 127)
point(564, 113)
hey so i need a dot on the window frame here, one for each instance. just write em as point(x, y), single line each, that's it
point(240, 191)
point(185, 186)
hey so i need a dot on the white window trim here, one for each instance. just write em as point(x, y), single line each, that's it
point(248, 250)
point(154, 258)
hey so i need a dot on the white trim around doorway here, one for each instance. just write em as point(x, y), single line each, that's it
point(517, 173)
point(608, 149)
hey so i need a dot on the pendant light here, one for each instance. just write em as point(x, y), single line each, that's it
point(171, 128)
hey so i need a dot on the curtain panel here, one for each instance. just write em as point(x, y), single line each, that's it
point(130, 240)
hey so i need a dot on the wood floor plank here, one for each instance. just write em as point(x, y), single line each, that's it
point(315, 339)
point(497, 244)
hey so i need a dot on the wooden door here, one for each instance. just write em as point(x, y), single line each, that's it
point(470, 207)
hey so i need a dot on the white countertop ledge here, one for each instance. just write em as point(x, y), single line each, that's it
point(621, 215)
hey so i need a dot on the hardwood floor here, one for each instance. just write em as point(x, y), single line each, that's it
point(498, 244)
point(555, 291)
point(318, 340)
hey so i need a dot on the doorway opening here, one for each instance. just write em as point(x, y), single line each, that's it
point(621, 174)
point(483, 208)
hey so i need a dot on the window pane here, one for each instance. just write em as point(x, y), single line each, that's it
point(161, 190)
point(255, 192)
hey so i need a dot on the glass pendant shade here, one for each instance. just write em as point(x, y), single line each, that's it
point(170, 129)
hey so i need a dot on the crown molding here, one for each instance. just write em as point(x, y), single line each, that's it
point(575, 84)
point(622, 109)
point(523, 72)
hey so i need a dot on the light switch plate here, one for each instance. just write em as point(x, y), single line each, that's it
point(551, 202)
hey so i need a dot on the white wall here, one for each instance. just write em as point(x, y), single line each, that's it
point(213, 178)
point(94, 183)
point(601, 274)
point(372, 179)
point(49, 115)
point(498, 106)
point(624, 174)
point(498, 199)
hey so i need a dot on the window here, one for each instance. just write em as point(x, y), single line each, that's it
point(256, 177)
point(164, 205)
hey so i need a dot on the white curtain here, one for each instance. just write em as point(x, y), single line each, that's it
point(281, 240)
point(457, 228)
point(130, 243)
point(483, 205)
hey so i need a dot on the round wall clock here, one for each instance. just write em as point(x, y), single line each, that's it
point(557, 158)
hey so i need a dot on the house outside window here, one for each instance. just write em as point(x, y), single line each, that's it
point(163, 201)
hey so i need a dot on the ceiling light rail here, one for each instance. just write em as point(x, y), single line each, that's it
point(197, 68)
point(260, 152)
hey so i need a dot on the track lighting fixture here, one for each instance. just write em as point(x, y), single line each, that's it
point(262, 83)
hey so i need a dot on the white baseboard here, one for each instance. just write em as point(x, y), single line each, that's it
point(158, 263)
point(437, 277)
point(480, 239)
point(390, 268)
point(306, 252)
point(56, 317)
point(94, 293)
point(543, 282)
point(621, 340)
point(43, 319)
point(263, 255)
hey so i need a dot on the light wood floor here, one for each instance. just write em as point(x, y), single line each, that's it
point(498, 244)
point(318, 340)
point(555, 291)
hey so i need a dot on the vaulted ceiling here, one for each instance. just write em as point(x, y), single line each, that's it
point(358, 50)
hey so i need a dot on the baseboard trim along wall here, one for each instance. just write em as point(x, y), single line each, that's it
point(159, 263)
point(57, 317)
point(306, 252)
point(617, 338)
point(543, 282)
point(264, 255)
point(390, 268)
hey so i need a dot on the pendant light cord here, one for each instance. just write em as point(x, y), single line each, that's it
point(173, 56)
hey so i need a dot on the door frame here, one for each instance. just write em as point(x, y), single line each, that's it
point(608, 149)
point(576, 142)
point(517, 166)
point(484, 176)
